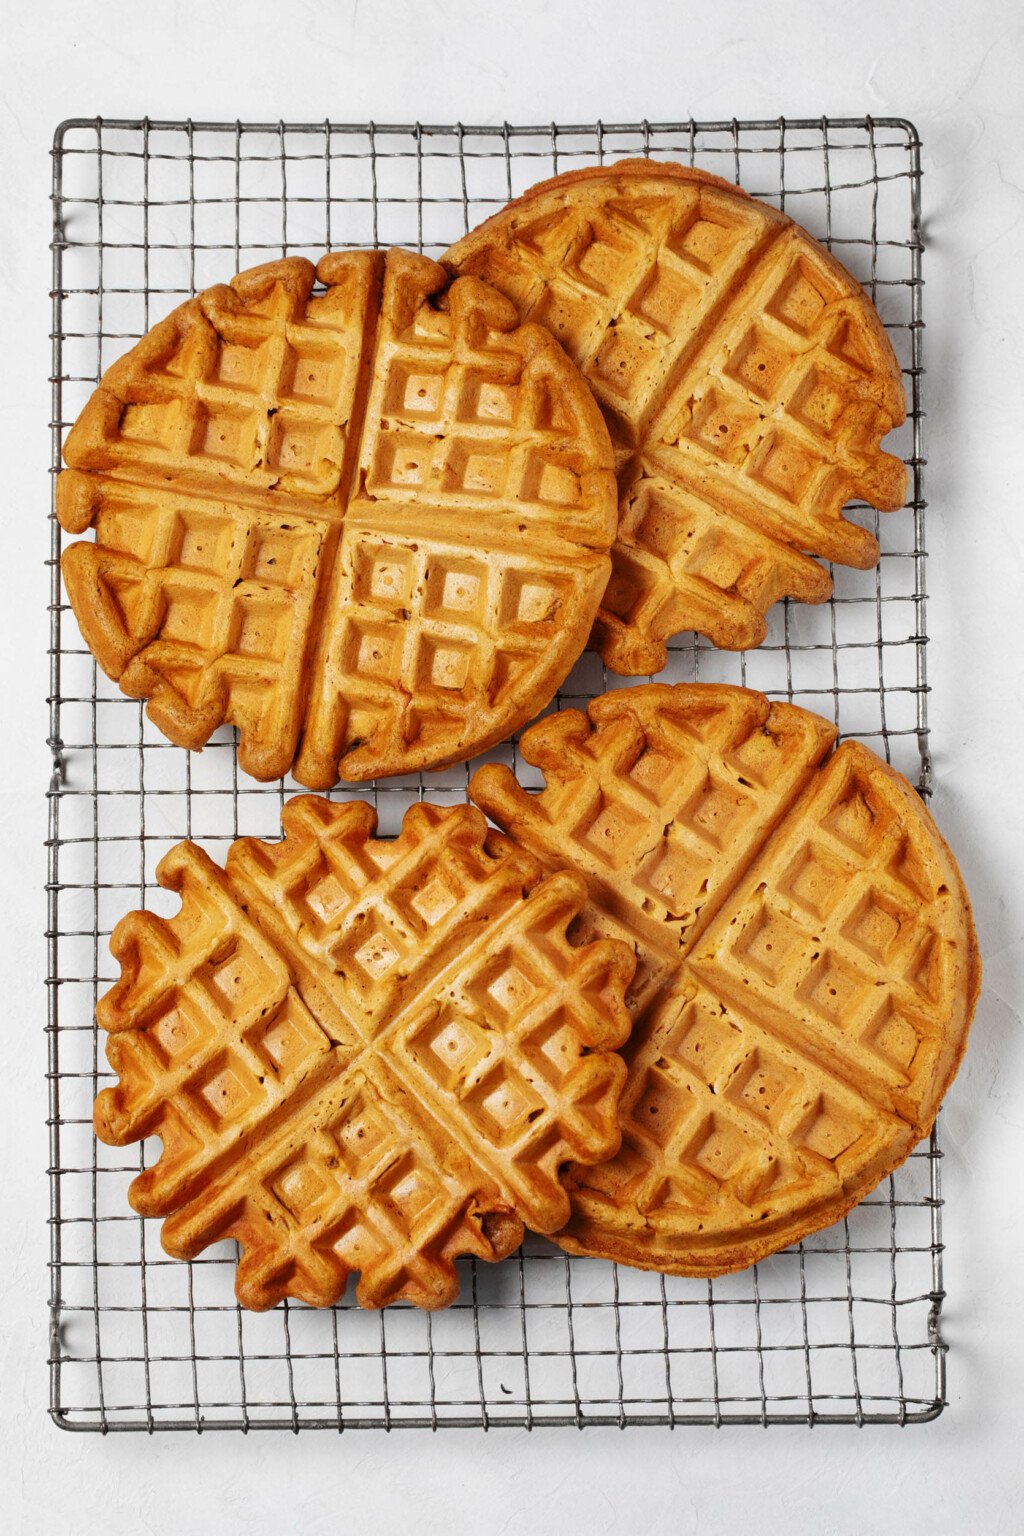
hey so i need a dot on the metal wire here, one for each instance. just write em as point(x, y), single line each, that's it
point(844, 1328)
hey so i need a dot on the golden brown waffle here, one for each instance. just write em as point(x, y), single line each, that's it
point(745, 377)
point(362, 1055)
point(806, 963)
point(374, 519)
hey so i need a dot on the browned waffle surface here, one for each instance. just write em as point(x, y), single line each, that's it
point(807, 968)
point(367, 525)
point(362, 1055)
point(746, 379)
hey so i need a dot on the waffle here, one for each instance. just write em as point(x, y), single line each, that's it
point(368, 527)
point(745, 377)
point(362, 1055)
point(806, 963)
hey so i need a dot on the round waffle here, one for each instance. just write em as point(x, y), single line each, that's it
point(806, 974)
point(368, 526)
point(746, 379)
point(362, 1055)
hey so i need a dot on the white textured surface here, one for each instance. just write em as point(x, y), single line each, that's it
point(956, 70)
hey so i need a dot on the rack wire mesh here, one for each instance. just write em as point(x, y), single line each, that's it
point(843, 1328)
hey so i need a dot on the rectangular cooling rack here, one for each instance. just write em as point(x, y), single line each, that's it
point(844, 1328)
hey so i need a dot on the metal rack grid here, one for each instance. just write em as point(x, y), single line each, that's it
point(844, 1328)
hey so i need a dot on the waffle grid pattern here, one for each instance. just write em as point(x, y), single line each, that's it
point(738, 439)
point(312, 997)
point(799, 1007)
point(843, 1328)
point(236, 401)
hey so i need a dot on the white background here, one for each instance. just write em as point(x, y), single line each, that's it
point(956, 67)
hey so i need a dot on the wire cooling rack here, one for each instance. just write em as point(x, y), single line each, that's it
point(844, 1328)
